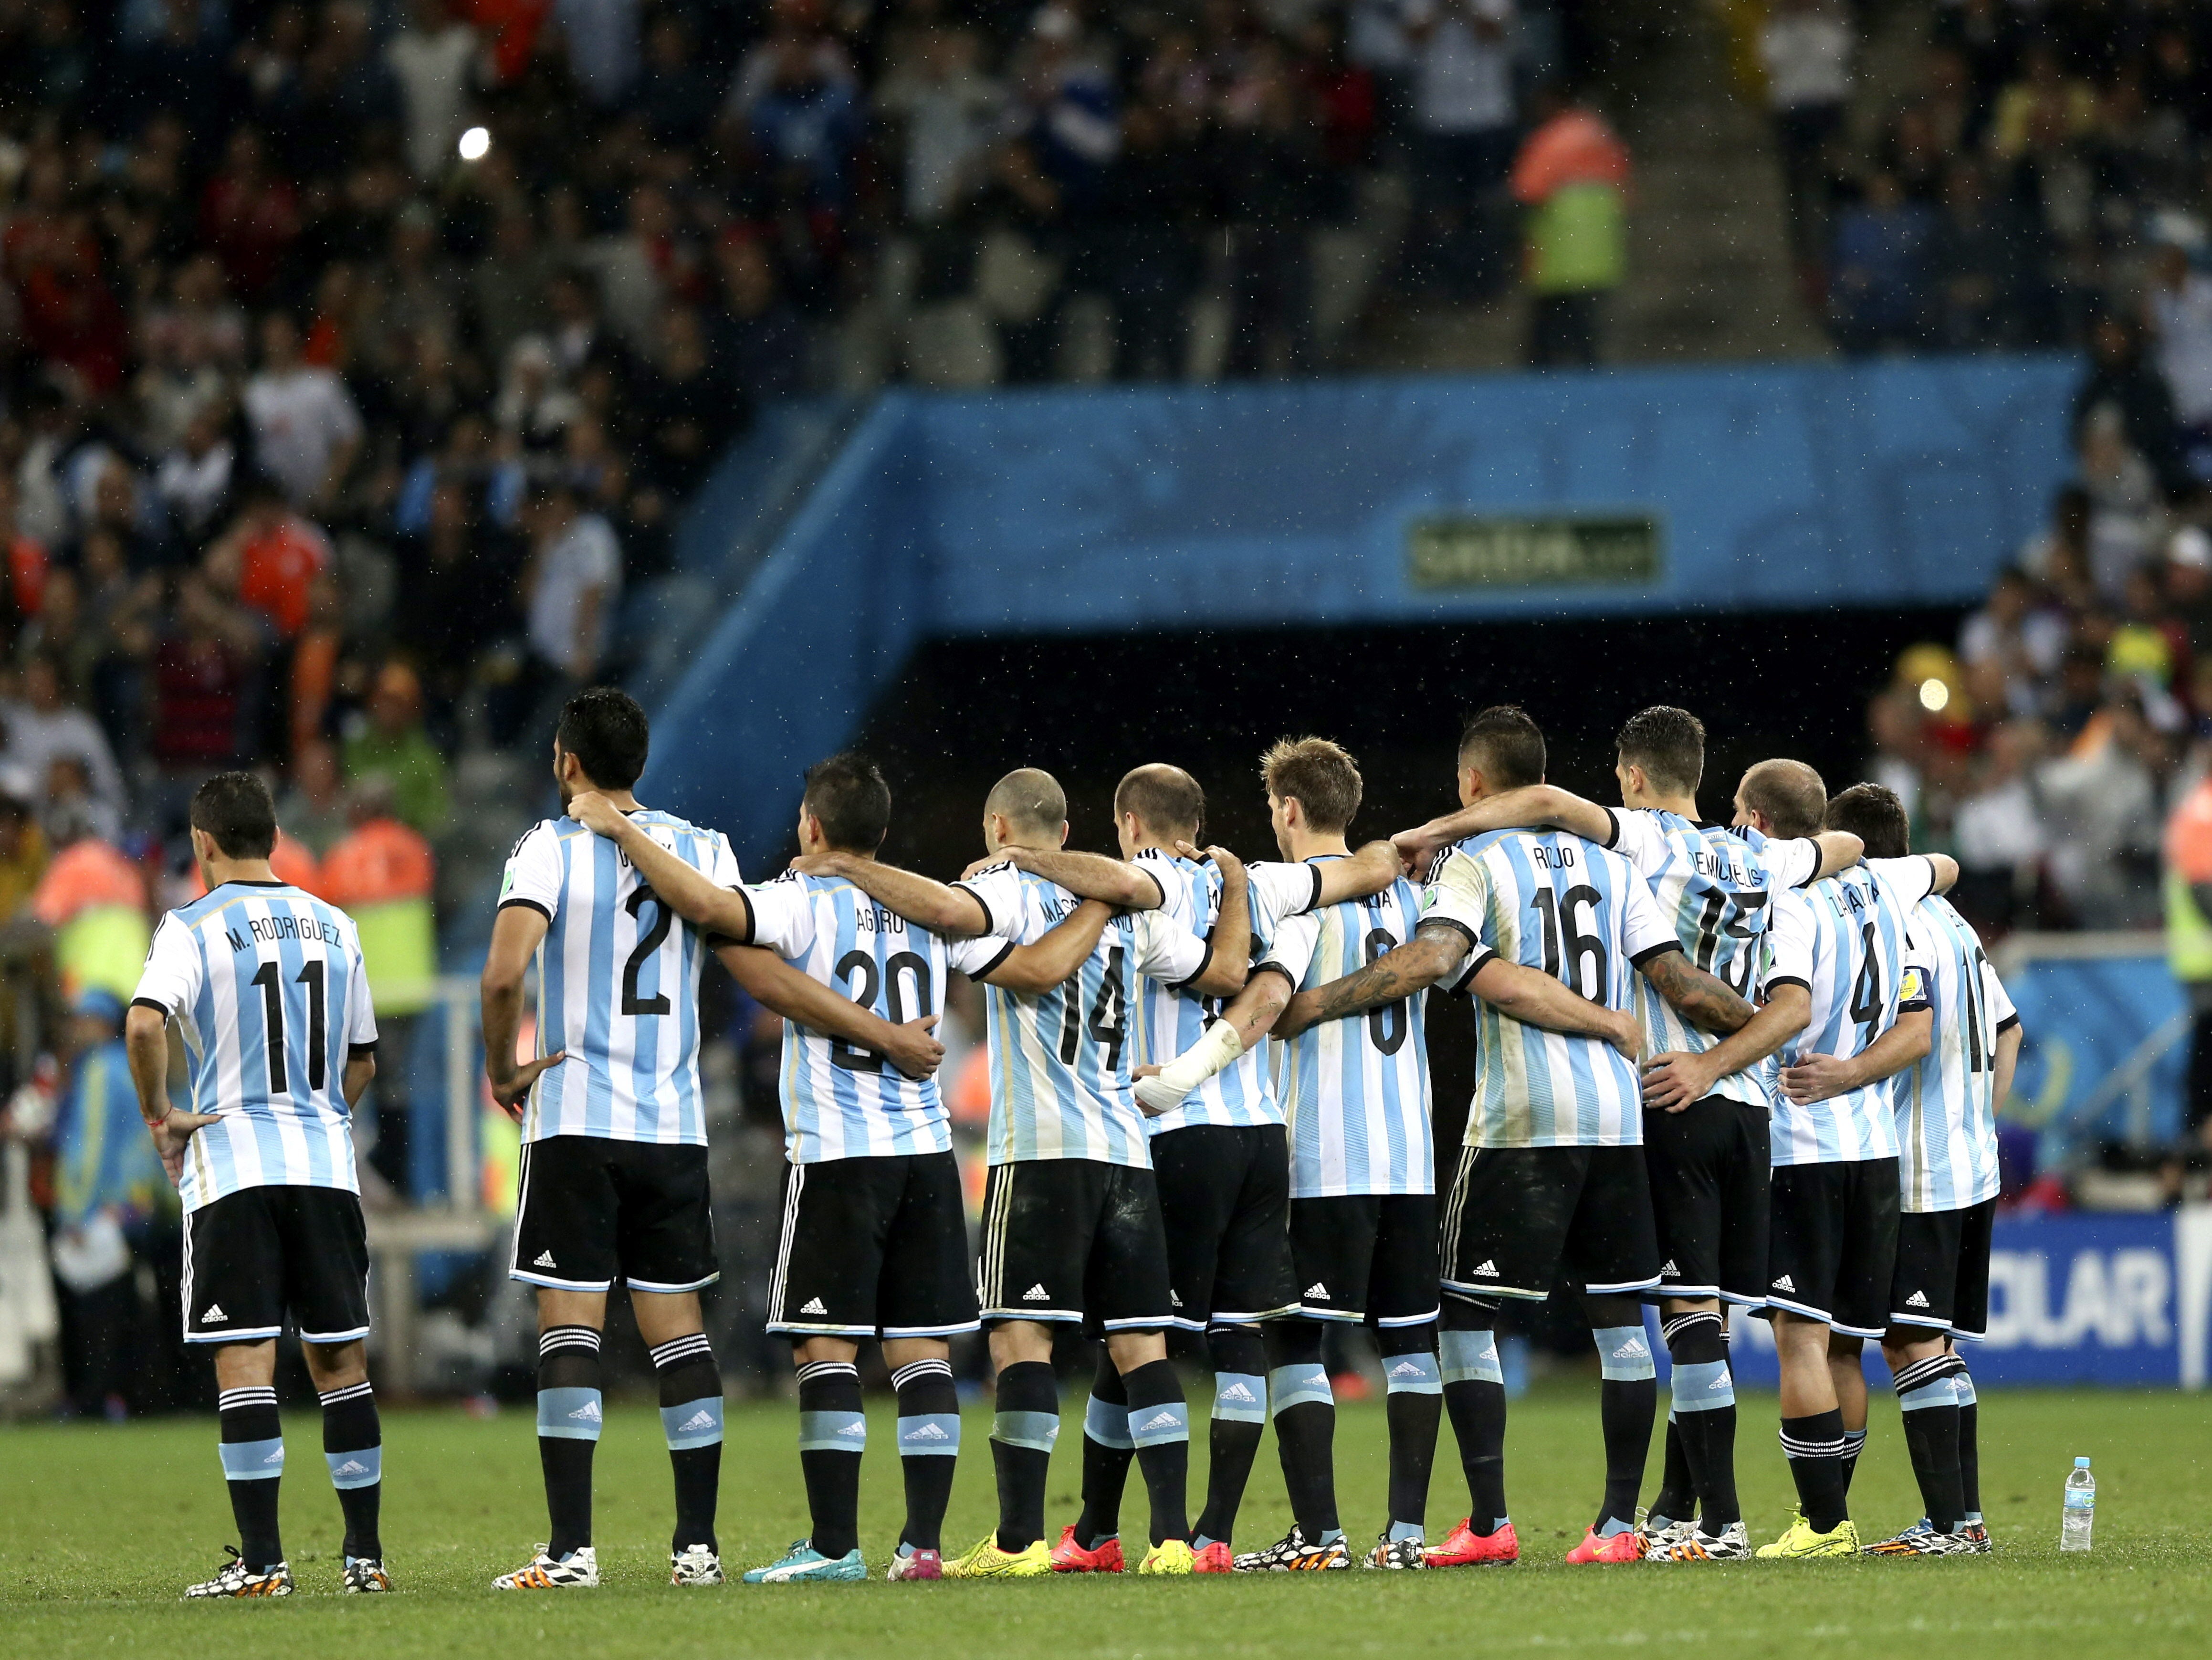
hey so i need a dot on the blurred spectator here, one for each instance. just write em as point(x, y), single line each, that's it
point(278, 553)
point(1806, 50)
point(573, 578)
point(1882, 289)
point(1998, 835)
point(390, 753)
point(434, 59)
point(1464, 119)
point(2178, 315)
point(1572, 178)
point(2100, 799)
point(307, 431)
point(95, 900)
point(2188, 896)
point(313, 810)
point(43, 728)
point(2123, 381)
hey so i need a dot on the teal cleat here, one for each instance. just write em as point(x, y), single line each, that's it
point(803, 1562)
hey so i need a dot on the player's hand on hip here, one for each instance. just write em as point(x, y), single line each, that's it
point(1675, 1081)
point(511, 1091)
point(595, 813)
point(914, 1051)
point(1816, 1078)
point(170, 1135)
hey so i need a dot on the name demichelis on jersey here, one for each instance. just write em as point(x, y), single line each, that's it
point(266, 984)
point(1946, 1102)
point(617, 982)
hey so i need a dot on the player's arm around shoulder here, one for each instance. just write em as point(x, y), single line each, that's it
point(951, 911)
point(1229, 942)
point(1054, 957)
point(687, 890)
point(1533, 806)
point(1536, 999)
point(1439, 946)
point(1120, 882)
point(1374, 867)
point(1704, 1001)
point(799, 997)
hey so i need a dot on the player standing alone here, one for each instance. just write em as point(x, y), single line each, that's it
point(267, 985)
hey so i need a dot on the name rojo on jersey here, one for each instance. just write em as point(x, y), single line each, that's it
point(1060, 1059)
point(840, 1102)
point(1946, 1102)
point(1169, 1020)
point(266, 984)
point(1355, 1092)
point(1581, 914)
point(617, 983)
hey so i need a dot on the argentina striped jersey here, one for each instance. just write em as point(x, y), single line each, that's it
point(1581, 914)
point(266, 984)
point(617, 983)
point(1947, 1129)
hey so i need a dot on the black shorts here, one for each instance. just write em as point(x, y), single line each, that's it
point(1069, 1240)
point(1942, 1281)
point(595, 1210)
point(874, 1248)
point(1709, 1172)
point(1833, 1250)
point(1366, 1256)
point(1225, 1202)
point(253, 1256)
point(1521, 1219)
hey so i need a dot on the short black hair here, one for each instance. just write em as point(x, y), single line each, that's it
point(1874, 813)
point(605, 728)
point(1165, 798)
point(1510, 744)
point(848, 794)
point(235, 809)
point(1668, 743)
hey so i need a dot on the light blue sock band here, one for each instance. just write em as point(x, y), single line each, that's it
point(1036, 1431)
point(833, 1431)
point(362, 1468)
point(252, 1461)
point(1623, 1356)
point(1962, 1385)
point(1411, 1374)
point(693, 1424)
point(1294, 1386)
point(569, 1415)
point(1107, 1424)
point(930, 1435)
point(1939, 1393)
point(1470, 1357)
point(1407, 1529)
point(1158, 1425)
point(1702, 1386)
point(1239, 1397)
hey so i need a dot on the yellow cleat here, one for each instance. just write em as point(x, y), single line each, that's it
point(988, 1561)
point(1169, 1556)
point(1799, 1543)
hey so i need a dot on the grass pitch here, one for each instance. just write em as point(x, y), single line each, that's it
point(100, 1528)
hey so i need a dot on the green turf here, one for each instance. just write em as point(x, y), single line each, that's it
point(101, 1527)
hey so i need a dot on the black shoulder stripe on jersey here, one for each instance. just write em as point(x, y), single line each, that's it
point(1204, 963)
point(1456, 926)
point(990, 922)
point(1464, 986)
point(1613, 828)
point(1813, 875)
point(356, 1051)
point(1272, 967)
point(1789, 980)
point(1163, 888)
point(990, 967)
point(1313, 898)
point(161, 1009)
point(2007, 1024)
point(527, 904)
point(1651, 954)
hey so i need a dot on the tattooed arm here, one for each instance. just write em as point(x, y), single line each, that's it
point(1704, 1001)
point(1435, 950)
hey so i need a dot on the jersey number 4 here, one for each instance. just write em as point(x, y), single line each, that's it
point(270, 977)
point(1105, 1024)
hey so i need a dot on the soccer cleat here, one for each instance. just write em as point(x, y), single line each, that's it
point(1215, 1558)
point(1068, 1557)
point(1922, 1539)
point(1291, 1554)
point(917, 1565)
point(1667, 1536)
point(1390, 1553)
point(234, 1578)
point(365, 1575)
point(802, 1563)
point(1466, 1548)
point(1977, 1535)
point(1169, 1556)
point(1732, 1545)
point(1626, 1546)
point(578, 1571)
point(987, 1561)
point(695, 1565)
point(1801, 1543)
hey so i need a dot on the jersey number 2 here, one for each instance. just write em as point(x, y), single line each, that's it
point(647, 943)
point(268, 976)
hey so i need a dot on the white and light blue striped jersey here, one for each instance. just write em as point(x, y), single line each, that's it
point(840, 1102)
point(1714, 885)
point(1168, 1020)
point(1581, 914)
point(266, 984)
point(617, 982)
point(1848, 938)
point(1060, 1059)
point(1355, 1092)
point(1946, 1102)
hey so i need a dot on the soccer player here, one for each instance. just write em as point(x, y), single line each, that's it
point(1946, 1107)
point(1072, 1228)
point(875, 1236)
point(1553, 1175)
point(1706, 1106)
point(1832, 1242)
point(266, 985)
point(614, 1161)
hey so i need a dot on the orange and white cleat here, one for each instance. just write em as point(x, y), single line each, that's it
point(1626, 1546)
point(1215, 1557)
point(578, 1571)
point(1068, 1557)
point(1466, 1548)
point(234, 1578)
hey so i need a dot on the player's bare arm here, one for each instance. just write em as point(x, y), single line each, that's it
point(2008, 1058)
point(1090, 876)
point(1704, 1001)
point(1535, 806)
point(1229, 962)
point(360, 1072)
point(799, 997)
point(1536, 999)
point(1044, 964)
point(1247, 1019)
point(516, 933)
point(1435, 950)
point(1821, 1077)
point(1368, 872)
point(1676, 1079)
point(687, 890)
point(146, 1041)
point(1839, 850)
point(949, 913)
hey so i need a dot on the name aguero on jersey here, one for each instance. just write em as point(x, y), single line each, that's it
point(283, 925)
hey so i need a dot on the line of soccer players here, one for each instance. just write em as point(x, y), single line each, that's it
point(1713, 1063)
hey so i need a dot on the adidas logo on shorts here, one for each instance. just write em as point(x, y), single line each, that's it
point(1487, 1267)
point(1238, 1392)
point(1174, 1298)
point(1668, 1267)
point(1785, 1284)
point(926, 1432)
point(701, 1419)
point(543, 1260)
point(1317, 1289)
point(1917, 1300)
point(589, 1412)
point(1037, 1293)
point(812, 1306)
point(213, 1315)
point(1165, 1420)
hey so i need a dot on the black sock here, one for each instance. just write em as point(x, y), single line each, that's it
point(1628, 1400)
point(929, 1448)
point(1970, 1449)
point(1474, 1396)
point(1159, 1423)
point(1107, 1452)
point(1930, 1408)
point(1304, 1409)
point(1854, 1444)
point(1677, 1497)
point(253, 1466)
point(1701, 1421)
point(1023, 1432)
point(833, 1433)
point(570, 1416)
point(1413, 1395)
point(691, 1422)
point(353, 1446)
point(1240, 1415)
point(1815, 1447)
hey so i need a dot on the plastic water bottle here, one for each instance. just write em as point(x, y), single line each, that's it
point(2081, 1513)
